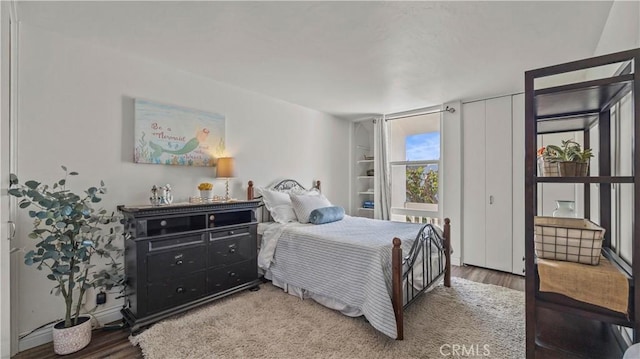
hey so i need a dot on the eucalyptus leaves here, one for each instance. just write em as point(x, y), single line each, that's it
point(69, 232)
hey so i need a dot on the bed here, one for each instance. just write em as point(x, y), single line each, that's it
point(354, 265)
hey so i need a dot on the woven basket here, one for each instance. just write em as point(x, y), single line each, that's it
point(568, 239)
point(562, 169)
point(573, 169)
point(548, 169)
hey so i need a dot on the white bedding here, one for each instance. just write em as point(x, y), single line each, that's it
point(344, 265)
point(262, 226)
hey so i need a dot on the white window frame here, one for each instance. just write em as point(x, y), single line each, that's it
point(420, 209)
point(432, 214)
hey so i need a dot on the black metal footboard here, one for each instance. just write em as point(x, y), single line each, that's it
point(420, 271)
point(428, 246)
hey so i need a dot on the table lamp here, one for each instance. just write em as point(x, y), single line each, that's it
point(224, 169)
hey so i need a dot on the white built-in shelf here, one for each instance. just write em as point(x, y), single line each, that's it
point(365, 192)
point(365, 161)
point(365, 209)
point(365, 177)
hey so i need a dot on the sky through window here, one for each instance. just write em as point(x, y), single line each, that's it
point(423, 146)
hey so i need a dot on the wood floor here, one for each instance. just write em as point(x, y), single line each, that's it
point(115, 343)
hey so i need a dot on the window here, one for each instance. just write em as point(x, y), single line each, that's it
point(414, 144)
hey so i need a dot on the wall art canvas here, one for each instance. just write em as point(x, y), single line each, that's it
point(173, 135)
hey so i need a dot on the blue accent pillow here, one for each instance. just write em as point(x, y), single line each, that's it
point(326, 215)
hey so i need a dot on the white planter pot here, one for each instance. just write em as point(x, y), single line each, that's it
point(70, 340)
point(206, 194)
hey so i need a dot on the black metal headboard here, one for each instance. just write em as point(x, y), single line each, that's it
point(286, 185)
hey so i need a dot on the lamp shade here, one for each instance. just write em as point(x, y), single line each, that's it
point(225, 167)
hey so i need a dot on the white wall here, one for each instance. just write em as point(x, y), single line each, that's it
point(452, 175)
point(76, 109)
point(5, 245)
point(622, 29)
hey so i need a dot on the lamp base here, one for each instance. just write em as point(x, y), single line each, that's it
point(227, 198)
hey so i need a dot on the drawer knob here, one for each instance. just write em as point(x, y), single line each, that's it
point(180, 290)
point(179, 262)
point(163, 223)
point(212, 217)
point(232, 248)
point(232, 274)
point(231, 233)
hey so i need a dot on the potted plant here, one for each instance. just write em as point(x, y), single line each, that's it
point(69, 232)
point(571, 160)
point(206, 190)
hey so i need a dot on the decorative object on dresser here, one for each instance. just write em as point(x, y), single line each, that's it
point(225, 169)
point(304, 258)
point(206, 190)
point(161, 195)
point(69, 233)
point(185, 255)
point(568, 302)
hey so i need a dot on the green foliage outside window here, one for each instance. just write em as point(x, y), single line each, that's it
point(422, 185)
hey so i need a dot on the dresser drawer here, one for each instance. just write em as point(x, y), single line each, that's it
point(173, 292)
point(172, 242)
point(240, 231)
point(232, 249)
point(178, 262)
point(220, 279)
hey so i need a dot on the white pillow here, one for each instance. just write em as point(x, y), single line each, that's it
point(279, 205)
point(303, 205)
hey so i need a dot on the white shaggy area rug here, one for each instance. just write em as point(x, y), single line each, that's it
point(468, 320)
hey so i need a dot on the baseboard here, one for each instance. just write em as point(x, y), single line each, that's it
point(43, 335)
point(456, 261)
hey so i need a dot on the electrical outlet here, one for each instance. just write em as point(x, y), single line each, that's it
point(101, 298)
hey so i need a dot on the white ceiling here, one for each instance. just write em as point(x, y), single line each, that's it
point(344, 58)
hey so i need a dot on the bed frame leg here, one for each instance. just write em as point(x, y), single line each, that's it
point(396, 270)
point(447, 252)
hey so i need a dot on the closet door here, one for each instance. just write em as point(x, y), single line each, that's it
point(473, 185)
point(517, 106)
point(498, 178)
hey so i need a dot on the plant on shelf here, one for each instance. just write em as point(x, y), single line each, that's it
point(570, 151)
point(570, 159)
point(69, 233)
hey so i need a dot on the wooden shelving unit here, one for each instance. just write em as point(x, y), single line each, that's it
point(573, 107)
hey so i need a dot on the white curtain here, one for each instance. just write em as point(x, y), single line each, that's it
point(382, 196)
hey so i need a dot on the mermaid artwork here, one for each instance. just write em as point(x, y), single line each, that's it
point(189, 146)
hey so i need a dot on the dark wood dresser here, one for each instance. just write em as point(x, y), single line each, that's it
point(184, 255)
